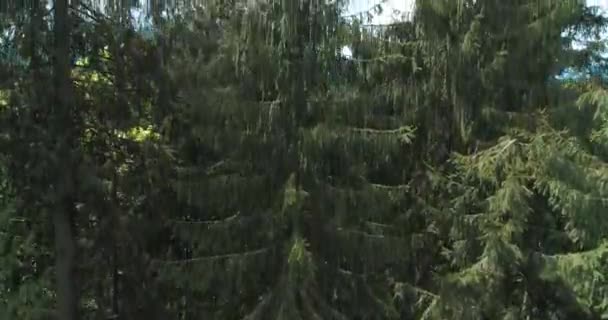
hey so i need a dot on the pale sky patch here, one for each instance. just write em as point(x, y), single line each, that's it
point(404, 6)
point(392, 9)
point(600, 3)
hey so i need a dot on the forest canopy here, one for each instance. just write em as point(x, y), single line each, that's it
point(223, 159)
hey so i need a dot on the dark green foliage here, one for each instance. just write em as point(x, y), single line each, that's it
point(233, 165)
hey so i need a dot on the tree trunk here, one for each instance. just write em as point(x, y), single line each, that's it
point(65, 264)
point(62, 126)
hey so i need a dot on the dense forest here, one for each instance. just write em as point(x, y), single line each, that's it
point(224, 159)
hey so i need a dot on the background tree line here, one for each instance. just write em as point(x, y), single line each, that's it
point(228, 162)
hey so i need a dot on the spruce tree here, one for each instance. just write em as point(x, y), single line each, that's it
point(293, 190)
point(517, 209)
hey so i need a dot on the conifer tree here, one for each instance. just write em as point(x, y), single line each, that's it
point(292, 187)
point(518, 211)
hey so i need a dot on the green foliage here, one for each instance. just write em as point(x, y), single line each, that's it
point(236, 166)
